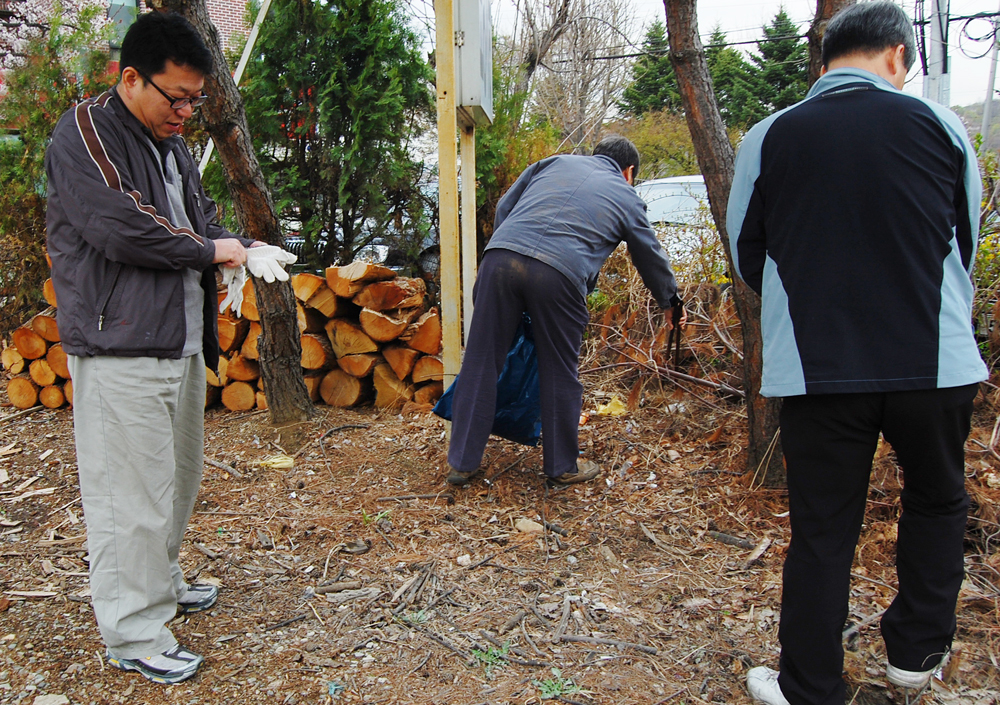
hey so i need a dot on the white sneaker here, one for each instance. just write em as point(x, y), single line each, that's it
point(762, 682)
point(909, 679)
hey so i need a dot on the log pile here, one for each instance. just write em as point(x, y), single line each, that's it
point(367, 335)
point(37, 364)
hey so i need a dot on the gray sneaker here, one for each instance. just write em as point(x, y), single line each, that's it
point(586, 470)
point(197, 598)
point(172, 666)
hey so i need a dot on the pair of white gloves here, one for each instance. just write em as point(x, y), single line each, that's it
point(265, 261)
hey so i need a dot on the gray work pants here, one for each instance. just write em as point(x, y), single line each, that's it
point(139, 425)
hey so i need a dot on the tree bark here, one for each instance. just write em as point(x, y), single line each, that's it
point(279, 348)
point(825, 9)
point(716, 159)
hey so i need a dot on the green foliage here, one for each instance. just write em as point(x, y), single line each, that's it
point(58, 70)
point(555, 687)
point(505, 148)
point(654, 84)
point(986, 269)
point(782, 64)
point(493, 659)
point(368, 519)
point(735, 83)
point(664, 143)
point(333, 96)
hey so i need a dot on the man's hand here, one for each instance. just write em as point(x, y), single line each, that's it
point(678, 317)
point(229, 252)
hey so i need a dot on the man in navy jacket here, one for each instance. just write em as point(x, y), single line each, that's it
point(854, 214)
point(553, 230)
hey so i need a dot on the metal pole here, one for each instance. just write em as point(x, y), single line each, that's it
point(469, 244)
point(988, 104)
point(937, 82)
point(238, 76)
point(451, 288)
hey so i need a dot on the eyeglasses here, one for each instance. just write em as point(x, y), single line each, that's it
point(176, 103)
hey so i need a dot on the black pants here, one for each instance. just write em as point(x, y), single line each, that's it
point(507, 285)
point(829, 441)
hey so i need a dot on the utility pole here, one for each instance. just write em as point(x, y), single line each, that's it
point(937, 82)
point(987, 106)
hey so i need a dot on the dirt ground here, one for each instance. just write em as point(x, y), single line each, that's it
point(658, 583)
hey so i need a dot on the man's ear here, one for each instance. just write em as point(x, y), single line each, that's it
point(629, 175)
point(130, 80)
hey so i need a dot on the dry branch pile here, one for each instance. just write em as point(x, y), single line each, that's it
point(366, 334)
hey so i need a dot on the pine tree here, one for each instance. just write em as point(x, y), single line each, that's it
point(735, 84)
point(654, 86)
point(782, 64)
point(337, 92)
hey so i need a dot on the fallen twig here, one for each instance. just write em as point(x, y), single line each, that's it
point(731, 540)
point(338, 587)
point(308, 445)
point(564, 620)
point(22, 412)
point(525, 660)
point(447, 496)
point(850, 631)
point(291, 620)
point(434, 636)
point(757, 553)
point(610, 642)
point(556, 529)
point(222, 466)
point(207, 551)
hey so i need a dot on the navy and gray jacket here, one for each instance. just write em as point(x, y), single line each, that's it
point(571, 212)
point(854, 214)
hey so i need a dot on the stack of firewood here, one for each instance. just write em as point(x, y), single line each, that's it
point(36, 361)
point(366, 334)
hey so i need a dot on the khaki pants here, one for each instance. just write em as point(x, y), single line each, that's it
point(139, 426)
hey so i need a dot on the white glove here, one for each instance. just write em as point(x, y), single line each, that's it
point(268, 261)
point(234, 278)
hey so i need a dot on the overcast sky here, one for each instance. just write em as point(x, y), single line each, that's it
point(742, 20)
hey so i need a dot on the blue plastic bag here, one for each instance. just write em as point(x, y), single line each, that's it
point(518, 415)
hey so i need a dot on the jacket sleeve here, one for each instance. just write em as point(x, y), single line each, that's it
point(745, 214)
point(649, 257)
point(215, 230)
point(89, 172)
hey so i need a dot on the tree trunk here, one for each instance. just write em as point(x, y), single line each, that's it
point(716, 159)
point(287, 397)
point(825, 9)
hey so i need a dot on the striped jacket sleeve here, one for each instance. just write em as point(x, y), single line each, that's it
point(89, 172)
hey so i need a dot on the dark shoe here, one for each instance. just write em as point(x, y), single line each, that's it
point(457, 477)
point(197, 598)
point(586, 470)
point(172, 666)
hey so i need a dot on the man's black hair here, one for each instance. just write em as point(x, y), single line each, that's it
point(621, 150)
point(869, 28)
point(158, 36)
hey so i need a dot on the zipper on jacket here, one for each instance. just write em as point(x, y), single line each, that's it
point(107, 299)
